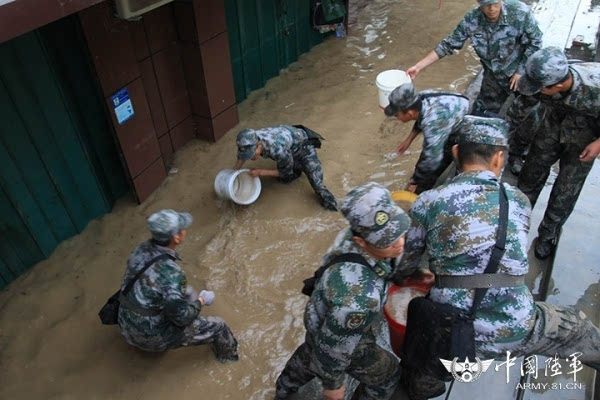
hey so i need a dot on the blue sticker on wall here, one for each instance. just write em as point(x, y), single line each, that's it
point(122, 105)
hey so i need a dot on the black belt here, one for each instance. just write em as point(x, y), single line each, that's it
point(479, 281)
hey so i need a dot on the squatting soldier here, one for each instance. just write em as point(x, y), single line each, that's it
point(293, 149)
point(503, 34)
point(438, 115)
point(161, 312)
point(457, 224)
point(570, 95)
point(347, 299)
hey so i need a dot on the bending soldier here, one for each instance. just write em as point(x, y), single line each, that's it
point(570, 95)
point(438, 115)
point(503, 34)
point(347, 299)
point(457, 224)
point(294, 151)
point(161, 312)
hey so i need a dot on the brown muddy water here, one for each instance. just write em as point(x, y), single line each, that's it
point(52, 345)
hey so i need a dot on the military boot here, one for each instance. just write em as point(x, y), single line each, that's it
point(544, 248)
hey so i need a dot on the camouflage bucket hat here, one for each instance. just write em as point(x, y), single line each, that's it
point(401, 99)
point(491, 131)
point(165, 224)
point(374, 216)
point(487, 2)
point(545, 67)
point(247, 140)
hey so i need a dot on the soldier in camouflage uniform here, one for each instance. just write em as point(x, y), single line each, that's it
point(503, 34)
point(457, 223)
point(570, 94)
point(161, 312)
point(346, 301)
point(438, 115)
point(294, 153)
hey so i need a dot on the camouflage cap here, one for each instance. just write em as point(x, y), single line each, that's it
point(487, 2)
point(492, 131)
point(374, 216)
point(247, 140)
point(165, 224)
point(545, 67)
point(401, 99)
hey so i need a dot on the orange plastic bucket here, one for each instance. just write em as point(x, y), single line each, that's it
point(397, 327)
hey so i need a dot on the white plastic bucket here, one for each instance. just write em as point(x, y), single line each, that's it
point(237, 185)
point(387, 81)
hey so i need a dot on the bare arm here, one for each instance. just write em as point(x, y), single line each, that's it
point(254, 172)
point(238, 164)
point(421, 65)
point(408, 141)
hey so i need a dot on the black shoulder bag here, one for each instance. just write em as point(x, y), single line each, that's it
point(109, 314)
point(309, 283)
point(435, 331)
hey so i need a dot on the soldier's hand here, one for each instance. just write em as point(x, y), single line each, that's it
point(403, 147)
point(413, 71)
point(514, 80)
point(207, 296)
point(336, 394)
point(412, 187)
point(254, 172)
point(590, 152)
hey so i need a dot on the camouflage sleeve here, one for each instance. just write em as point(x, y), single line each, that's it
point(338, 337)
point(176, 309)
point(285, 165)
point(531, 40)
point(519, 110)
point(455, 41)
point(435, 136)
point(415, 243)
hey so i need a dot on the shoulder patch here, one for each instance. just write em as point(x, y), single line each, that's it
point(355, 320)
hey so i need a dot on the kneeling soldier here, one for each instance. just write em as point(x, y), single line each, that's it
point(293, 148)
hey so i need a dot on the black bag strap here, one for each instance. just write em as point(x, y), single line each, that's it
point(499, 247)
point(439, 94)
point(129, 285)
point(340, 258)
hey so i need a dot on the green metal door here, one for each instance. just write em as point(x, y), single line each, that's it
point(58, 164)
point(264, 37)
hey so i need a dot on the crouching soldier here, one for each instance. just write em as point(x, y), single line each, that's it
point(161, 311)
point(347, 300)
point(293, 148)
point(438, 115)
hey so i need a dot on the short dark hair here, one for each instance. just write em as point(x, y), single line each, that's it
point(417, 105)
point(476, 153)
point(561, 81)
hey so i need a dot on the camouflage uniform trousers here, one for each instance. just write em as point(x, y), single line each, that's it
point(546, 149)
point(429, 181)
point(212, 331)
point(558, 331)
point(523, 135)
point(376, 369)
point(492, 95)
point(307, 161)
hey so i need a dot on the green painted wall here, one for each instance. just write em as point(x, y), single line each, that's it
point(266, 36)
point(59, 167)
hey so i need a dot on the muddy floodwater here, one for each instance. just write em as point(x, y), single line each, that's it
point(52, 345)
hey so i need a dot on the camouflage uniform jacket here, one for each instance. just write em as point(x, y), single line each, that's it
point(457, 224)
point(346, 299)
point(281, 143)
point(580, 128)
point(161, 288)
point(440, 116)
point(503, 47)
